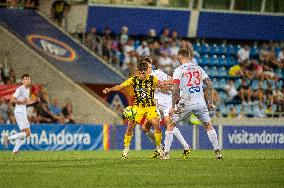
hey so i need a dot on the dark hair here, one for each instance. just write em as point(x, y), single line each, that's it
point(184, 52)
point(25, 75)
point(148, 59)
point(142, 65)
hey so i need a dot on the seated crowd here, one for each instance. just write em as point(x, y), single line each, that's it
point(248, 77)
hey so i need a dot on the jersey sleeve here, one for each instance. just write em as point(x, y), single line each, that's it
point(177, 76)
point(203, 74)
point(127, 82)
point(17, 93)
point(155, 81)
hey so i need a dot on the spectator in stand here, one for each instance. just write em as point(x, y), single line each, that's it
point(259, 111)
point(269, 59)
point(106, 49)
point(232, 112)
point(280, 58)
point(165, 62)
point(151, 36)
point(58, 11)
point(123, 36)
point(4, 111)
point(259, 94)
point(143, 49)
point(231, 91)
point(165, 37)
point(93, 41)
point(67, 112)
point(55, 107)
point(269, 111)
point(44, 114)
point(130, 57)
point(278, 99)
point(263, 72)
point(175, 36)
point(31, 4)
point(269, 94)
point(243, 54)
point(173, 48)
point(245, 92)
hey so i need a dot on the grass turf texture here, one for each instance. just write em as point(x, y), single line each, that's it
point(239, 168)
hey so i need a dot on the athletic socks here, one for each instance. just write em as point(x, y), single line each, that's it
point(151, 136)
point(158, 138)
point(180, 138)
point(213, 138)
point(20, 135)
point(127, 140)
point(168, 140)
point(19, 143)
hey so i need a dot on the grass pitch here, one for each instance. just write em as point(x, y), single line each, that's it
point(239, 168)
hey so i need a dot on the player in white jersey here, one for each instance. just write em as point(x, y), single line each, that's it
point(21, 99)
point(163, 99)
point(188, 98)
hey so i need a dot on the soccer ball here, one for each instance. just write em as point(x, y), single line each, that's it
point(129, 113)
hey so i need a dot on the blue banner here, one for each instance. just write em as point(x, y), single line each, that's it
point(253, 137)
point(58, 137)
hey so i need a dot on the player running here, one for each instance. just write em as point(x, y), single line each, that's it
point(21, 99)
point(188, 98)
point(163, 99)
point(144, 86)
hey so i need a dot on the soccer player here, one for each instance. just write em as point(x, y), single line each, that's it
point(188, 98)
point(144, 86)
point(21, 99)
point(163, 99)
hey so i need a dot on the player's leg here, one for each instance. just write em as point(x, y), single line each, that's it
point(24, 125)
point(176, 117)
point(153, 118)
point(128, 137)
point(179, 136)
point(203, 115)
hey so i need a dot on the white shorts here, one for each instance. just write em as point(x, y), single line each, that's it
point(184, 109)
point(22, 120)
point(164, 106)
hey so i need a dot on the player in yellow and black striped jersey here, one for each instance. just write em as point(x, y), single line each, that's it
point(143, 85)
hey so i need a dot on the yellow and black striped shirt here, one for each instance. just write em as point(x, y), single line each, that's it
point(143, 90)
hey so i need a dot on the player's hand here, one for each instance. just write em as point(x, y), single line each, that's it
point(106, 90)
point(211, 107)
point(172, 111)
point(25, 101)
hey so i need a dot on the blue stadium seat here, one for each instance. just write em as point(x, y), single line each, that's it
point(222, 71)
point(205, 49)
point(223, 96)
point(214, 71)
point(222, 83)
point(221, 49)
point(214, 49)
point(206, 69)
point(254, 84)
point(236, 49)
point(279, 73)
point(205, 59)
point(254, 51)
point(136, 44)
point(229, 50)
point(215, 83)
point(277, 50)
point(197, 47)
point(221, 60)
point(238, 83)
point(238, 108)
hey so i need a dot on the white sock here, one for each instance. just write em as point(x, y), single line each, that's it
point(151, 136)
point(18, 144)
point(20, 135)
point(180, 138)
point(213, 138)
point(168, 140)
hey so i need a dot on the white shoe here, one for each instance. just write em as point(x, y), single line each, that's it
point(125, 152)
point(166, 156)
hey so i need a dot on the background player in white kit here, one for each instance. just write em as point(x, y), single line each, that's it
point(21, 99)
point(163, 99)
point(188, 98)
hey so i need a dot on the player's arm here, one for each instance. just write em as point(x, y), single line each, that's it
point(118, 87)
point(209, 93)
point(14, 100)
point(33, 101)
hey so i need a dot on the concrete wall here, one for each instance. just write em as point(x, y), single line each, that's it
point(87, 108)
